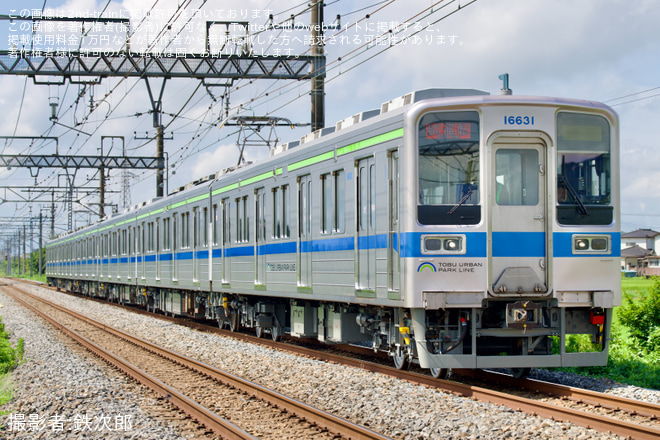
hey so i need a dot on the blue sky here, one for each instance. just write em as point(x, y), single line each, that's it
point(606, 51)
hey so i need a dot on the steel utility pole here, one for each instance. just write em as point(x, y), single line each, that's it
point(318, 69)
point(41, 234)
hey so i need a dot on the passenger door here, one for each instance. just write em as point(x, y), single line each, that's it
point(366, 228)
point(518, 219)
point(304, 232)
point(393, 256)
point(260, 238)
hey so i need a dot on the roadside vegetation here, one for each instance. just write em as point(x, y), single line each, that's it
point(634, 356)
point(10, 357)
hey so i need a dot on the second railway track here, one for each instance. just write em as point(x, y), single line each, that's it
point(226, 404)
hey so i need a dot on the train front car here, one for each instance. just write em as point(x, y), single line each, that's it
point(511, 243)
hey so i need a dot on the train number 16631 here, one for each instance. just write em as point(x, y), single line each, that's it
point(519, 120)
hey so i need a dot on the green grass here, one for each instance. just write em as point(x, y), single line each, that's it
point(638, 286)
point(10, 357)
point(634, 355)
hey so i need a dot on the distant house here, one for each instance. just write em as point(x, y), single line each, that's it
point(638, 252)
point(649, 266)
point(644, 238)
point(631, 256)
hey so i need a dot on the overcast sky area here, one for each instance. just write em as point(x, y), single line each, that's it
point(607, 51)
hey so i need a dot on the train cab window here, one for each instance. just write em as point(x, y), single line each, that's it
point(583, 170)
point(448, 168)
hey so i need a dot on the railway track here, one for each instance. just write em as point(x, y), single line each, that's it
point(603, 412)
point(228, 405)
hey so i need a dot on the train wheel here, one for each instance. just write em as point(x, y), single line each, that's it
point(234, 321)
point(520, 373)
point(259, 331)
point(276, 333)
point(440, 373)
point(400, 359)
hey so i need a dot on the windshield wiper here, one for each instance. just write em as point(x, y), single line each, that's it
point(581, 208)
point(460, 202)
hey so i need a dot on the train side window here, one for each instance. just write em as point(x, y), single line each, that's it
point(196, 231)
point(157, 241)
point(584, 171)
point(339, 218)
point(326, 203)
point(239, 221)
point(205, 227)
point(166, 234)
point(150, 237)
point(143, 239)
point(277, 213)
point(185, 230)
point(286, 231)
point(260, 215)
point(246, 210)
point(215, 219)
point(174, 233)
point(226, 224)
point(242, 220)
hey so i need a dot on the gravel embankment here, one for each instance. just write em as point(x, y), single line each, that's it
point(62, 391)
point(56, 380)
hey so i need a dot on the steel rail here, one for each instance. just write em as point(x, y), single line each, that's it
point(203, 415)
point(321, 418)
point(529, 406)
point(616, 403)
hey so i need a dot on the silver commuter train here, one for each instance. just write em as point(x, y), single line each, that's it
point(452, 229)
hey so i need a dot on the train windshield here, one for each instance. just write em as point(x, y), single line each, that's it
point(583, 170)
point(449, 168)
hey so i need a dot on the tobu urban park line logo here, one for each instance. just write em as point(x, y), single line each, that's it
point(451, 267)
point(426, 266)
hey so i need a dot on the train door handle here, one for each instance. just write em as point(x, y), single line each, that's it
point(539, 218)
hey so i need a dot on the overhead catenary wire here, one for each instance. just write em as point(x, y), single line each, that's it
point(195, 144)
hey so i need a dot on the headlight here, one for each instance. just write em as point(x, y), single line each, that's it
point(581, 244)
point(452, 244)
point(598, 244)
point(443, 245)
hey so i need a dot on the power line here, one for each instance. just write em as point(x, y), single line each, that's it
point(632, 94)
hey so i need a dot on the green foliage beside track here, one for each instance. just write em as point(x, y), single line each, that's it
point(634, 356)
point(9, 359)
